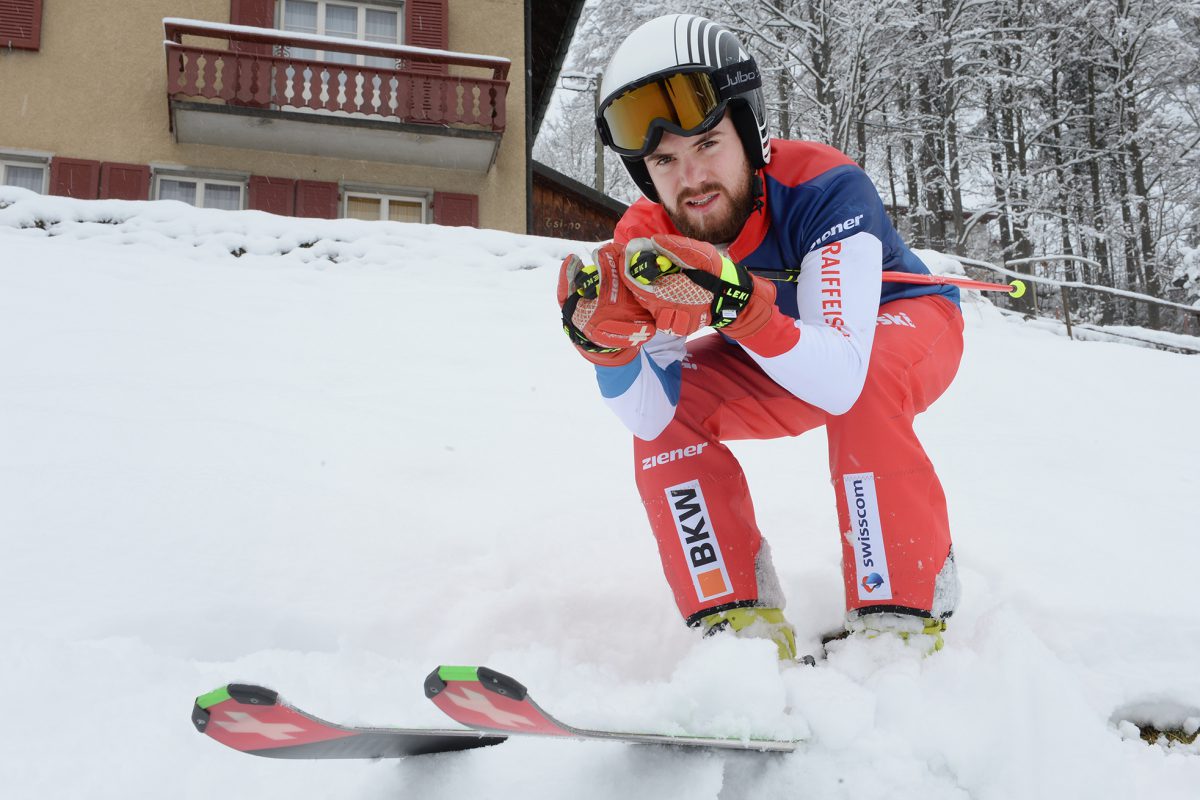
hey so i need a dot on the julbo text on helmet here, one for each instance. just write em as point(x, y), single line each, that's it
point(679, 73)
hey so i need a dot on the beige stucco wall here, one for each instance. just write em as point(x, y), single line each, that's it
point(97, 90)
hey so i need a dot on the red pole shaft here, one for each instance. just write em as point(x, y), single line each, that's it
point(966, 283)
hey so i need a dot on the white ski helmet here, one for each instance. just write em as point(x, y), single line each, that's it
point(679, 73)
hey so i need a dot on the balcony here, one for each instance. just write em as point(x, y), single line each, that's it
point(423, 108)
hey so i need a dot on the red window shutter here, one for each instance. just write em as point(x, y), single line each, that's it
point(124, 181)
point(316, 199)
point(427, 24)
point(456, 209)
point(276, 195)
point(75, 177)
point(256, 14)
point(21, 24)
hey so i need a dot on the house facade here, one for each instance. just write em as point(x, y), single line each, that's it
point(408, 110)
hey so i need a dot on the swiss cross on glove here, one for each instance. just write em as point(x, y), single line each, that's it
point(686, 284)
point(599, 314)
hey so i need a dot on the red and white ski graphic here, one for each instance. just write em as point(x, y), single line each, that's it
point(486, 700)
point(254, 720)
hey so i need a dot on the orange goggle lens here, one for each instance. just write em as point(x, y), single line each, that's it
point(683, 101)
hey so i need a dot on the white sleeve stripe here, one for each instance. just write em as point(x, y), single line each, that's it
point(648, 405)
point(838, 300)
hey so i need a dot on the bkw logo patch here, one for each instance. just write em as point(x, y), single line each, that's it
point(701, 550)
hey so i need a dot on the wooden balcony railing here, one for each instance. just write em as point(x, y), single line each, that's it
point(258, 72)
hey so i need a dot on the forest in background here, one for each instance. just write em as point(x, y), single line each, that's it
point(1001, 130)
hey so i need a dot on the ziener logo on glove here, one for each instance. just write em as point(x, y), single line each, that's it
point(701, 549)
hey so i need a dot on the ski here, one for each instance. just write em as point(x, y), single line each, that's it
point(488, 701)
point(254, 720)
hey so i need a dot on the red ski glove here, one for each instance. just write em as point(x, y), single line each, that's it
point(600, 316)
point(686, 284)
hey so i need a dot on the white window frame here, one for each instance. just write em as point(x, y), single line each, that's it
point(361, 25)
point(27, 161)
point(201, 180)
point(385, 197)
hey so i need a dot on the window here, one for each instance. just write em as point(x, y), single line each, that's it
point(201, 192)
point(370, 23)
point(29, 175)
point(396, 208)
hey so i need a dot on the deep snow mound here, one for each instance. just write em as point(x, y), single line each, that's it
point(327, 456)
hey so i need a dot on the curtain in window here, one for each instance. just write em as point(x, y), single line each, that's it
point(218, 195)
point(300, 16)
point(404, 211)
point(363, 207)
point(184, 191)
point(382, 26)
point(341, 21)
point(373, 208)
point(345, 21)
point(31, 178)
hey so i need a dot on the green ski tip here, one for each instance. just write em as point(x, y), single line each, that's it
point(212, 698)
point(458, 673)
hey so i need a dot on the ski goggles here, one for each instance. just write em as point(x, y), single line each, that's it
point(684, 102)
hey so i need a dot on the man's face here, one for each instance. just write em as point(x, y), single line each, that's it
point(704, 182)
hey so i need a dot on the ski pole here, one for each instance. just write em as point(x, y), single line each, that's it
point(1015, 288)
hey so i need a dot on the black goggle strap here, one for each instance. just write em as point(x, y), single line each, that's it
point(728, 81)
point(734, 79)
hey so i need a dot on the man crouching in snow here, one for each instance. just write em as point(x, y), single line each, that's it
point(829, 343)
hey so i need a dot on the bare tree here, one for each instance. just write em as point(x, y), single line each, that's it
point(1072, 125)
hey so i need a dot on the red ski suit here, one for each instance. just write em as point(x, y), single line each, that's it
point(843, 350)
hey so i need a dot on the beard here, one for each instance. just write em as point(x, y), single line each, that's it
point(719, 228)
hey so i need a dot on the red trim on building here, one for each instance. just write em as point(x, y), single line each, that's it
point(21, 24)
point(427, 24)
point(75, 177)
point(450, 208)
point(274, 195)
point(316, 199)
point(256, 14)
point(124, 181)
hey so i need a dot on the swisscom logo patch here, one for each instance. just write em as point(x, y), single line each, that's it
point(866, 537)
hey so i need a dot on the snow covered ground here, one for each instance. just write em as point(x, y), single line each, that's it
point(354, 451)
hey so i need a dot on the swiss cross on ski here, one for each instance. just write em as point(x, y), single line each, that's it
point(244, 722)
point(252, 719)
point(482, 698)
